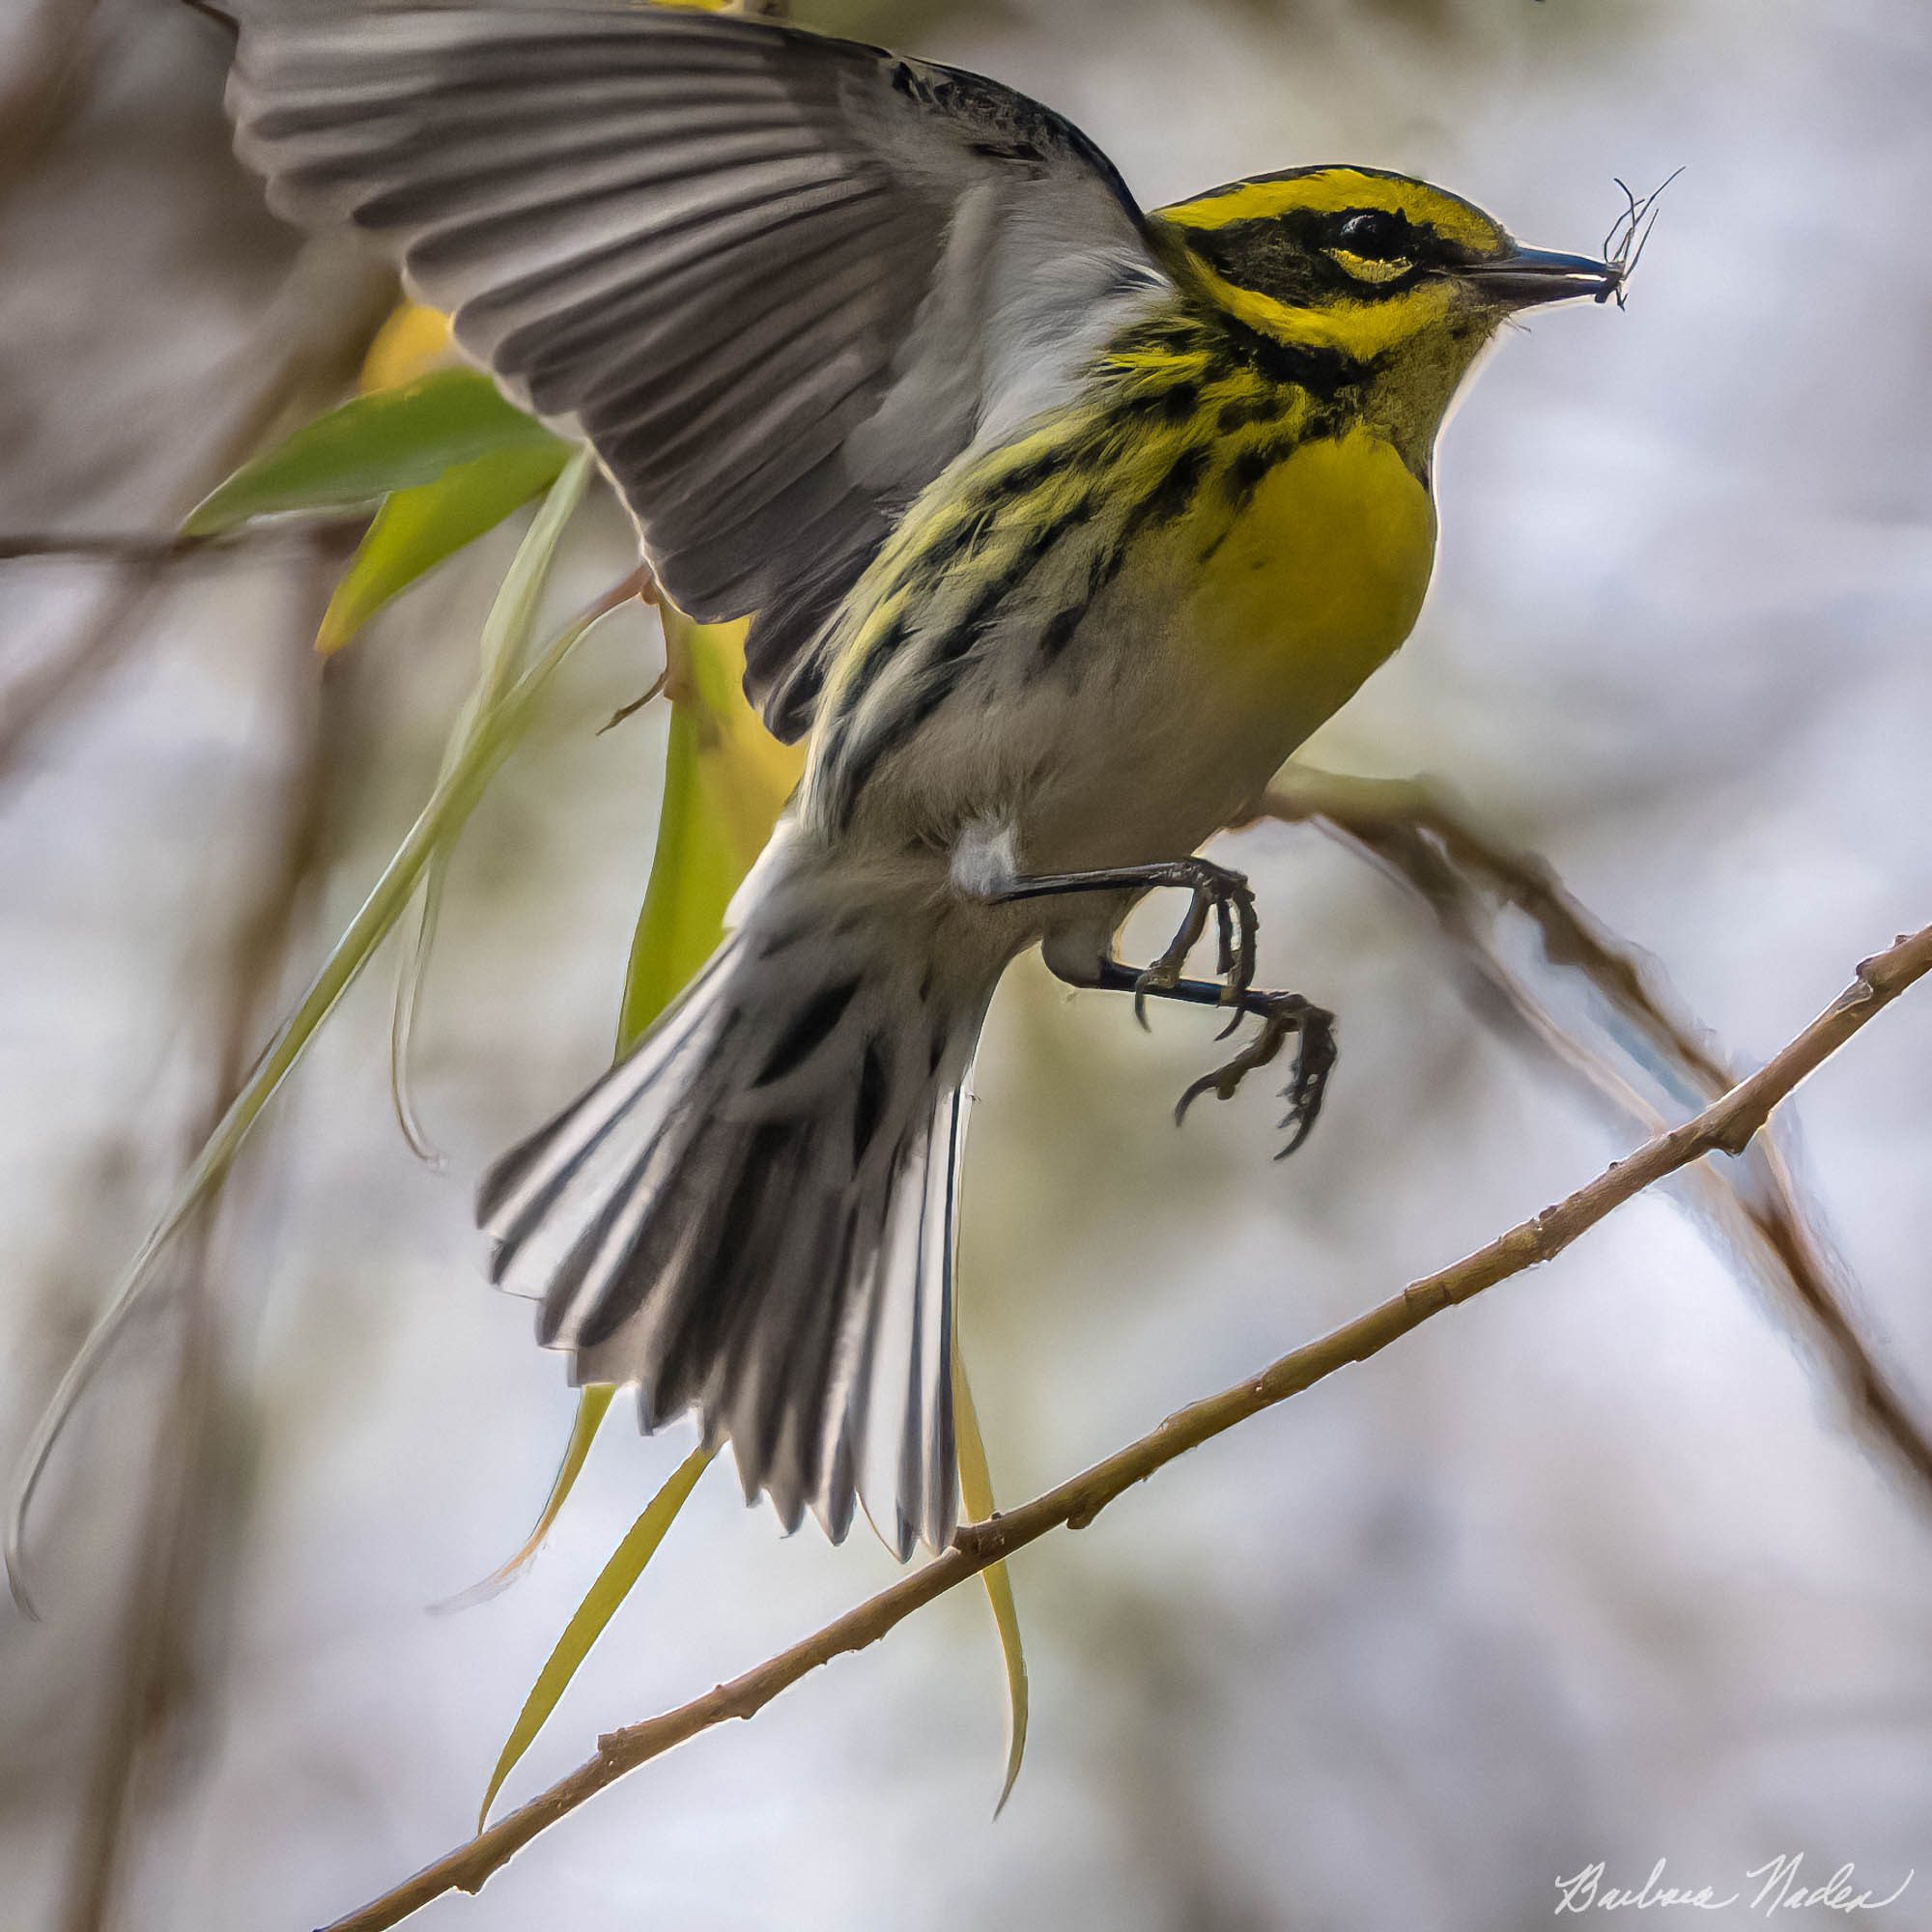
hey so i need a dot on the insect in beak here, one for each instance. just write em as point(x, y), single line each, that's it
point(1630, 231)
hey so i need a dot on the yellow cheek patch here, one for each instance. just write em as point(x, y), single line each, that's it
point(1365, 268)
point(1360, 330)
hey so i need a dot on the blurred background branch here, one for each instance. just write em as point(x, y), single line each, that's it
point(1638, 1054)
point(51, 547)
point(313, 338)
point(182, 1568)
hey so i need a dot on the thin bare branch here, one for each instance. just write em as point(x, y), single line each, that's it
point(1726, 1127)
point(158, 547)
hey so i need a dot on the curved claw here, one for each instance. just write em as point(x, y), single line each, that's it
point(1194, 1091)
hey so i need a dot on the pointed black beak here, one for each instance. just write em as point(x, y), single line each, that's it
point(1527, 278)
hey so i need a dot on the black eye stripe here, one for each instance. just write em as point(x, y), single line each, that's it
point(1301, 257)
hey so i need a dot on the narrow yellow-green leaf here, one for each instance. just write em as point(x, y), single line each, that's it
point(454, 797)
point(393, 440)
point(599, 1603)
point(417, 529)
point(691, 884)
point(726, 779)
point(592, 1404)
point(506, 640)
point(976, 1488)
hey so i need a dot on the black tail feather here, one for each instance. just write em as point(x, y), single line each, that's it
point(750, 1219)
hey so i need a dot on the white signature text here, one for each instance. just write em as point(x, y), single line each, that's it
point(1779, 1885)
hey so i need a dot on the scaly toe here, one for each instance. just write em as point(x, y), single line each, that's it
point(1314, 1063)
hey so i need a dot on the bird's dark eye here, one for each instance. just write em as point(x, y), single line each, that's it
point(1374, 231)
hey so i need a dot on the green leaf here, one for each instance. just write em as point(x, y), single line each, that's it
point(394, 439)
point(599, 1603)
point(592, 1404)
point(691, 884)
point(976, 1488)
point(417, 529)
point(451, 802)
point(507, 632)
point(727, 779)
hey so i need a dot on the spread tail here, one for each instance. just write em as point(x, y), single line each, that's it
point(752, 1217)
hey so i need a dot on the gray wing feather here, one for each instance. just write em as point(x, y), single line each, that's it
point(779, 281)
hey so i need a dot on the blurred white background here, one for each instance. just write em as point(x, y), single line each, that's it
point(1590, 1569)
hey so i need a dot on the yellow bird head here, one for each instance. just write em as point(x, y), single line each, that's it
point(1362, 261)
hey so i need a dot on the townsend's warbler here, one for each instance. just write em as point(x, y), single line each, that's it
point(1063, 524)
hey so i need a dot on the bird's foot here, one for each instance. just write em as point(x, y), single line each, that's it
point(1228, 897)
point(1281, 1014)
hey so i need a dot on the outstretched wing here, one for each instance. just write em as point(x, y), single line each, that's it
point(779, 281)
